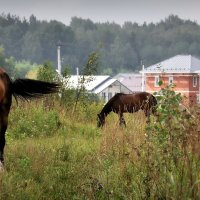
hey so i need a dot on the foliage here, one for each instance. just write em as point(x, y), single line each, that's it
point(122, 47)
point(170, 156)
point(39, 122)
point(46, 72)
point(7, 63)
point(89, 70)
point(92, 64)
point(52, 153)
point(23, 67)
point(16, 69)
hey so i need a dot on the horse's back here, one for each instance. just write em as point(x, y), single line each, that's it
point(145, 97)
point(132, 102)
point(135, 97)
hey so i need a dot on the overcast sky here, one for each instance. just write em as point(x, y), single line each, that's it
point(117, 11)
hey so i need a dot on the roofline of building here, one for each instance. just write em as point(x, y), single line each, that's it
point(170, 72)
point(168, 75)
point(114, 80)
point(100, 84)
point(93, 90)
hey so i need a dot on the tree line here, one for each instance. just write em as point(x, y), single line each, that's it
point(120, 48)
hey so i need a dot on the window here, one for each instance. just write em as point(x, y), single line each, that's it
point(104, 96)
point(194, 80)
point(109, 95)
point(157, 80)
point(171, 80)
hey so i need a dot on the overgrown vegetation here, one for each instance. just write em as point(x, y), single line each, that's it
point(172, 154)
point(54, 153)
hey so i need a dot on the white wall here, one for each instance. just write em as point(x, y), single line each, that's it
point(111, 90)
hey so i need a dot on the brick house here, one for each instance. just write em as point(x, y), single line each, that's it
point(181, 70)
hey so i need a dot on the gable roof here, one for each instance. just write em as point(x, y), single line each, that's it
point(90, 83)
point(104, 85)
point(132, 81)
point(107, 83)
point(176, 64)
point(94, 84)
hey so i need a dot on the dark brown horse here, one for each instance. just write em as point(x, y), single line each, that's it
point(128, 103)
point(22, 88)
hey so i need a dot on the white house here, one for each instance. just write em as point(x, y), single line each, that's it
point(132, 81)
point(104, 86)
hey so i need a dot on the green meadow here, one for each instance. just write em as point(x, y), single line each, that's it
point(55, 151)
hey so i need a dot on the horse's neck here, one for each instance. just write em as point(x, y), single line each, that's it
point(105, 111)
point(103, 114)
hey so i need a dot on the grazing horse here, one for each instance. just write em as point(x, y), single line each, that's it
point(122, 103)
point(22, 88)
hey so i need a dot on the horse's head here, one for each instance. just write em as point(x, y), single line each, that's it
point(100, 120)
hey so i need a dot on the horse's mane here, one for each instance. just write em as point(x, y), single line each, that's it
point(108, 106)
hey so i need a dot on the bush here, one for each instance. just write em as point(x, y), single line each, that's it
point(170, 159)
point(33, 121)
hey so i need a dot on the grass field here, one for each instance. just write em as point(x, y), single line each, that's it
point(54, 153)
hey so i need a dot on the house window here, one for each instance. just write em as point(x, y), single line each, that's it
point(104, 96)
point(194, 80)
point(109, 95)
point(171, 80)
point(157, 80)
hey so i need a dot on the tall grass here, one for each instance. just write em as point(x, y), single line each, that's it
point(54, 153)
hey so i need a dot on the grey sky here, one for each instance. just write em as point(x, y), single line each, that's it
point(117, 11)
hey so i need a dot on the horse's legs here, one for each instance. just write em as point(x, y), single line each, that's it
point(147, 114)
point(121, 119)
point(3, 127)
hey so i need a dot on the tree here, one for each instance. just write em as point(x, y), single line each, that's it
point(46, 72)
point(7, 63)
point(89, 69)
point(123, 47)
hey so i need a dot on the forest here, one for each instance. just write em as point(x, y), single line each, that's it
point(121, 48)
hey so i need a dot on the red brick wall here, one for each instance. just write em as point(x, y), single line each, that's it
point(183, 84)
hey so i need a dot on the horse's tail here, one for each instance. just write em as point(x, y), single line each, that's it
point(29, 88)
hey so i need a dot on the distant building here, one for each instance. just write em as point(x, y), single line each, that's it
point(104, 86)
point(181, 70)
point(132, 81)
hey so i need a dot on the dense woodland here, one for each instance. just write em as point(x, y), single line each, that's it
point(120, 48)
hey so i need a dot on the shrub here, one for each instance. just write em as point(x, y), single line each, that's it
point(33, 120)
point(170, 163)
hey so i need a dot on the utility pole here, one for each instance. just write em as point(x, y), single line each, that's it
point(59, 69)
point(142, 76)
